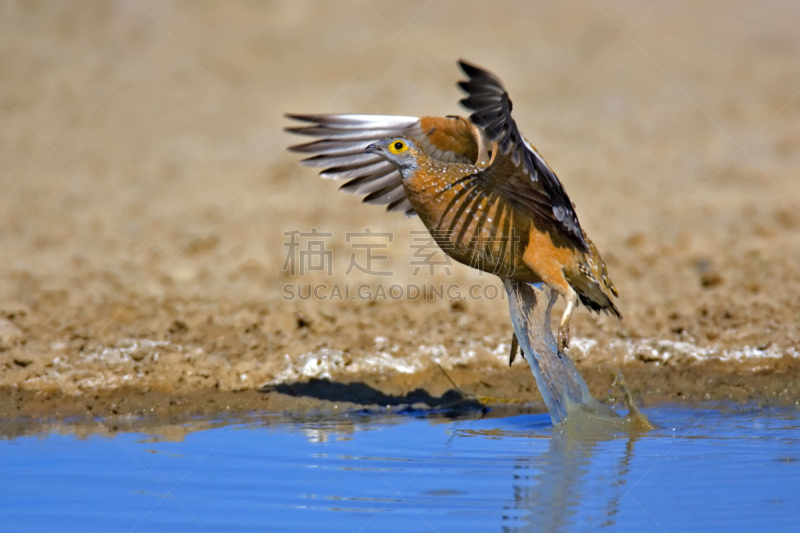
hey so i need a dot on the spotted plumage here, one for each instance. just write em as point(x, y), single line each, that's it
point(487, 196)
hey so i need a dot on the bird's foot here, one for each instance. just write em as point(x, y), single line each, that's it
point(563, 338)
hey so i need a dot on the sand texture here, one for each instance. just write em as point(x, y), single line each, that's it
point(146, 193)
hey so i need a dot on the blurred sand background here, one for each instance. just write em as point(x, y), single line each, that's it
point(145, 191)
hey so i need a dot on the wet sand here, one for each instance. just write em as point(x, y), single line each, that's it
point(145, 193)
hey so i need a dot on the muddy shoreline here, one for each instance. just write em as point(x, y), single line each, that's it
point(143, 267)
point(775, 384)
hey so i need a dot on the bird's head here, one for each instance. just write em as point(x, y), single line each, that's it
point(402, 152)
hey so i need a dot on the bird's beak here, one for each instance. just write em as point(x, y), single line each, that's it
point(373, 149)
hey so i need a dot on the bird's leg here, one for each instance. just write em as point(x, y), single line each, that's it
point(514, 347)
point(563, 328)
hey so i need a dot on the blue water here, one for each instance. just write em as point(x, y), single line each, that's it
point(702, 469)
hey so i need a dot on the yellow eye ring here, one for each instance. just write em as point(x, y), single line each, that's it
point(397, 146)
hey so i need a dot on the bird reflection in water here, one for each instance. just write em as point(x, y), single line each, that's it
point(551, 488)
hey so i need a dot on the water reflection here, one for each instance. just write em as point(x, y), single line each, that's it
point(407, 472)
point(577, 466)
point(549, 489)
point(578, 469)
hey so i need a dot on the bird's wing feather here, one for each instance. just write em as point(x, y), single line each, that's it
point(517, 170)
point(343, 138)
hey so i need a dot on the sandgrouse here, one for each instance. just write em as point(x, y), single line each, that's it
point(483, 191)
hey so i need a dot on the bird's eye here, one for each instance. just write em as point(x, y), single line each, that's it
point(397, 147)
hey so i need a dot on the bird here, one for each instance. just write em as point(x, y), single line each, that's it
point(487, 196)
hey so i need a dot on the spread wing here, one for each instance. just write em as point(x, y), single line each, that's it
point(342, 139)
point(517, 170)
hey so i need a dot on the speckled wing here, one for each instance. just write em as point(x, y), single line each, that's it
point(339, 150)
point(517, 170)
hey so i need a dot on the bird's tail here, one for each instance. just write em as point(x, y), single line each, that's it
point(591, 281)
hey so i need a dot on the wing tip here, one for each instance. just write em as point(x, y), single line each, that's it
point(297, 130)
point(474, 72)
point(468, 68)
point(302, 148)
point(300, 117)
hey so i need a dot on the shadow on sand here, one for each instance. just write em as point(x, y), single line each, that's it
point(452, 400)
